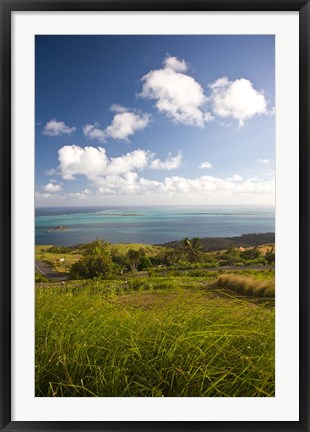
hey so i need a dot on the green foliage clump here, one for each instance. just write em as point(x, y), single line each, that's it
point(95, 262)
point(270, 257)
point(137, 260)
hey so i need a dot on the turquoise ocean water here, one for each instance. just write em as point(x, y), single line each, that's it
point(153, 225)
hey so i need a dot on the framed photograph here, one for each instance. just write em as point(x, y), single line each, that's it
point(154, 215)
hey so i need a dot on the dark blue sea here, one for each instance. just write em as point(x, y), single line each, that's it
point(153, 225)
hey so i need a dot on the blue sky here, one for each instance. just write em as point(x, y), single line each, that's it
point(135, 120)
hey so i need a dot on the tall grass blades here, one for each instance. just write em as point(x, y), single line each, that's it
point(166, 342)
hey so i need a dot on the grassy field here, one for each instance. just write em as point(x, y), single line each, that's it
point(154, 336)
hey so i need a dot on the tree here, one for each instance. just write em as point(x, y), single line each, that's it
point(134, 257)
point(144, 264)
point(270, 256)
point(192, 249)
point(95, 262)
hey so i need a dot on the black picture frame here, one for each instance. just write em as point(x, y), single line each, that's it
point(6, 8)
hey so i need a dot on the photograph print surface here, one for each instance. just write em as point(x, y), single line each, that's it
point(155, 216)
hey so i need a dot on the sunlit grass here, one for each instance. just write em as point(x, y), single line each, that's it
point(152, 337)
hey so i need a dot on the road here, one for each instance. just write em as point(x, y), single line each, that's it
point(47, 271)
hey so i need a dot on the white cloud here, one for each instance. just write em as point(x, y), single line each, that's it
point(264, 161)
point(234, 178)
point(131, 188)
point(205, 189)
point(92, 162)
point(117, 179)
point(51, 172)
point(56, 128)
point(93, 131)
point(123, 125)
point(52, 187)
point(207, 117)
point(206, 165)
point(79, 195)
point(43, 196)
point(118, 108)
point(177, 95)
point(172, 162)
point(55, 197)
point(237, 99)
point(175, 64)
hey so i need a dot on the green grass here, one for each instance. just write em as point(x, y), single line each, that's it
point(123, 248)
point(158, 336)
point(53, 259)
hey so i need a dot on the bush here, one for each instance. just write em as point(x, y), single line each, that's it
point(144, 264)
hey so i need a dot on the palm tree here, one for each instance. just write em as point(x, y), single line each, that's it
point(192, 248)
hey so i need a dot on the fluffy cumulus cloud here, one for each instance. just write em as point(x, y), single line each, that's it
point(52, 187)
point(128, 184)
point(121, 177)
point(177, 94)
point(264, 161)
point(93, 162)
point(56, 128)
point(124, 124)
point(175, 64)
point(93, 131)
point(236, 99)
point(172, 162)
point(206, 165)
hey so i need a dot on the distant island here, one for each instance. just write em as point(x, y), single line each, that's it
point(59, 228)
point(120, 214)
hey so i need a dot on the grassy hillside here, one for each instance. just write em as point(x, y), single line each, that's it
point(154, 336)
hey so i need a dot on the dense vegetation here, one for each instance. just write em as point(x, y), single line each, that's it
point(140, 320)
point(99, 258)
point(217, 243)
